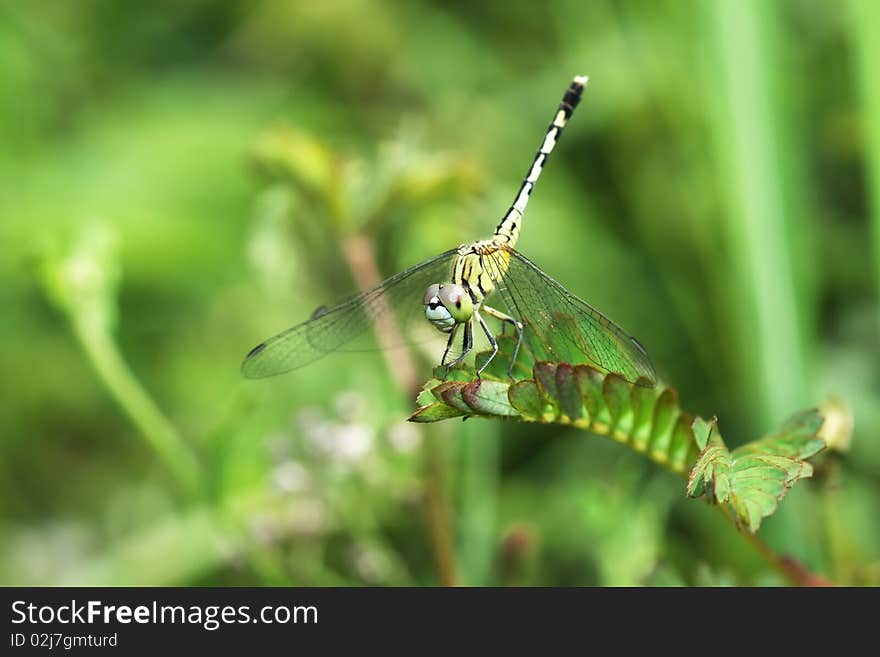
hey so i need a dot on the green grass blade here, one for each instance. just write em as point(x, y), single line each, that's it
point(866, 28)
point(748, 126)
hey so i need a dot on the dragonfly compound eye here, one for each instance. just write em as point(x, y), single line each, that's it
point(457, 301)
point(435, 311)
point(432, 295)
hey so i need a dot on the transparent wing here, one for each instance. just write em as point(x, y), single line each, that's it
point(350, 325)
point(561, 327)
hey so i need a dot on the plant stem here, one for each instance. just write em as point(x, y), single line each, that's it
point(158, 431)
point(361, 259)
point(794, 571)
point(437, 511)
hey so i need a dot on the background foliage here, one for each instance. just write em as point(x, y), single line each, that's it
point(182, 179)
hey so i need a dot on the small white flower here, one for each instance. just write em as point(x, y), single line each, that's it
point(350, 405)
point(306, 517)
point(278, 447)
point(291, 477)
point(352, 442)
point(370, 563)
point(343, 442)
point(404, 437)
point(264, 529)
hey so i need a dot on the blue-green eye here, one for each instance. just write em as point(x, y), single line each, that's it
point(457, 301)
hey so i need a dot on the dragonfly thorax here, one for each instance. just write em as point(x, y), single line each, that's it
point(482, 247)
point(447, 305)
point(479, 266)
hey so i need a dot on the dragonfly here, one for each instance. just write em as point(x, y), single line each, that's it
point(452, 290)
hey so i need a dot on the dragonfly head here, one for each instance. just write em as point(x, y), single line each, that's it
point(447, 305)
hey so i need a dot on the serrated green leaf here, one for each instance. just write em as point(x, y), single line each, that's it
point(488, 398)
point(461, 373)
point(752, 479)
point(450, 393)
point(789, 468)
point(796, 439)
point(682, 442)
point(426, 395)
point(643, 399)
point(665, 417)
point(710, 473)
point(702, 430)
point(804, 424)
point(569, 397)
point(545, 377)
point(589, 383)
point(617, 395)
point(525, 398)
point(755, 477)
point(434, 413)
point(753, 507)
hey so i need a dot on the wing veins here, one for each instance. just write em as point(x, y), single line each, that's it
point(334, 328)
point(535, 296)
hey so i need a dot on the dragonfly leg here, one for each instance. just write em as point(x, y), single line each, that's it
point(467, 343)
point(492, 342)
point(517, 326)
point(448, 347)
point(519, 336)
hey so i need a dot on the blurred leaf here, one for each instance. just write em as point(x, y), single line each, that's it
point(706, 576)
point(664, 575)
point(306, 162)
point(405, 176)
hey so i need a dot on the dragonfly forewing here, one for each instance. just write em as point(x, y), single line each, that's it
point(351, 325)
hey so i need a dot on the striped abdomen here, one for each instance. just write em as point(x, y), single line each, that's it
point(507, 231)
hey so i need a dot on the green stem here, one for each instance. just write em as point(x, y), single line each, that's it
point(866, 26)
point(793, 571)
point(116, 376)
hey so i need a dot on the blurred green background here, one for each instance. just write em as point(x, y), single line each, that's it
point(180, 180)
